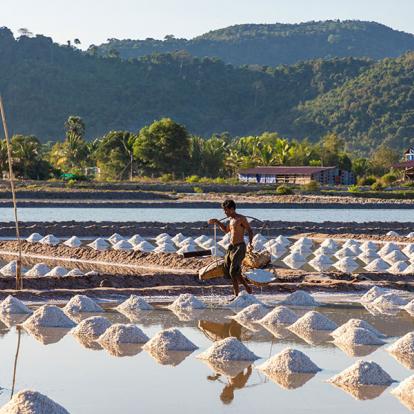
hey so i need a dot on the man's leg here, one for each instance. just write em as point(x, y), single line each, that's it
point(237, 265)
point(233, 273)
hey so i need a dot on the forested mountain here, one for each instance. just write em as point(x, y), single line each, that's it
point(43, 83)
point(274, 44)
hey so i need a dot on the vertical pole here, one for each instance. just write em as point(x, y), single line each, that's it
point(19, 284)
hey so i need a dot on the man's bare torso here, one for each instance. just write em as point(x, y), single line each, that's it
point(237, 229)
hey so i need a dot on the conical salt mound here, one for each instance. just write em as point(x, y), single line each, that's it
point(49, 316)
point(75, 273)
point(169, 340)
point(313, 321)
point(409, 270)
point(50, 239)
point(304, 241)
point(281, 315)
point(330, 244)
point(397, 268)
point(290, 361)
point(123, 334)
point(99, 244)
point(358, 336)
point(135, 239)
point(34, 238)
point(355, 323)
point(32, 402)
point(368, 245)
point(163, 236)
point(320, 265)
point(346, 265)
point(377, 265)
point(123, 245)
point(259, 238)
point(187, 248)
point(216, 252)
point(404, 345)
point(390, 300)
point(244, 299)
point(134, 303)
point(304, 251)
point(144, 246)
point(201, 239)
point(323, 251)
point(92, 327)
point(73, 242)
point(300, 298)
point(392, 233)
point(409, 307)
point(295, 260)
point(57, 271)
point(229, 349)
point(405, 392)
point(82, 303)
point(387, 249)
point(187, 301)
point(38, 270)
point(165, 248)
point(395, 256)
point(208, 244)
point(409, 250)
point(12, 306)
point(115, 238)
point(252, 313)
point(368, 256)
point(9, 269)
point(322, 260)
point(374, 293)
point(284, 241)
point(178, 238)
point(362, 373)
point(345, 252)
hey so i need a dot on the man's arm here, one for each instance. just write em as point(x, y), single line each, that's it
point(249, 230)
point(222, 226)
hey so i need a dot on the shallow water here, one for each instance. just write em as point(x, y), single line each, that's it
point(170, 215)
point(87, 381)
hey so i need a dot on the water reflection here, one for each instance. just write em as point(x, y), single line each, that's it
point(362, 392)
point(88, 342)
point(406, 360)
point(13, 320)
point(357, 350)
point(46, 336)
point(122, 350)
point(289, 381)
point(172, 358)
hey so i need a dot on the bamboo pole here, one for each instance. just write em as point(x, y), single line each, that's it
point(19, 281)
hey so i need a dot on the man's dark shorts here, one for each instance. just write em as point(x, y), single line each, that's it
point(233, 260)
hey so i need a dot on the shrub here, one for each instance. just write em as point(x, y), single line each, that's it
point(193, 179)
point(389, 178)
point(377, 186)
point(165, 178)
point(283, 190)
point(354, 189)
point(311, 186)
point(369, 180)
point(219, 180)
point(70, 183)
point(198, 190)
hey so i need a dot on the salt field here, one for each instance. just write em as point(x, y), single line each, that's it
point(74, 373)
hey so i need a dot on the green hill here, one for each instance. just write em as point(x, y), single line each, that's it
point(274, 44)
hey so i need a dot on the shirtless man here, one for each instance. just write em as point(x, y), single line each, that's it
point(237, 249)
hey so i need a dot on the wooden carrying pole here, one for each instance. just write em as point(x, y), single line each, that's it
point(19, 281)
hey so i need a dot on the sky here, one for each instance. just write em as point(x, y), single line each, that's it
point(94, 21)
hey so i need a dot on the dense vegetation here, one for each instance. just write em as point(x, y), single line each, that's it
point(274, 44)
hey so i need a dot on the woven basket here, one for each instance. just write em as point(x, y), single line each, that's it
point(255, 260)
point(212, 271)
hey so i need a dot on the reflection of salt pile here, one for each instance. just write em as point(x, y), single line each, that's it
point(92, 327)
point(368, 245)
point(362, 373)
point(409, 250)
point(50, 239)
point(404, 345)
point(281, 315)
point(144, 246)
point(244, 299)
point(12, 305)
point(389, 300)
point(82, 303)
point(409, 270)
point(252, 313)
point(313, 321)
point(123, 245)
point(73, 242)
point(99, 244)
point(134, 303)
point(405, 392)
point(409, 307)
point(123, 334)
point(368, 256)
point(169, 340)
point(49, 316)
point(291, 361)
point(397, 268)
point(323, 251)
point(395, 256)
point(377, 265)
point(355, 323)
point(32, 402)
point(57, 271)
point(345, 252)
point(358, 336)
point(187, 301)
point(229, 349)
point(300, 298)
point(321, 262)
point(347, 265)
point(115, 238)
point(372, 294)
point(34, 238)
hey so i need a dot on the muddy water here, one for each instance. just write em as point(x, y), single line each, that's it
point(87, 379)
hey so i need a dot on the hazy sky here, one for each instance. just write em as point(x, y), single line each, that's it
point(93, 21)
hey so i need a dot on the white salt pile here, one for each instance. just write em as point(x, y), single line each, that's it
point(12, 305)
point(34, 238)
point(358, 336)
point(187, 301)
point(99, 244)
point(368, 256)
point(295, 260)
point(82, 303)
point(187, 248)
point(123, 245)
point(313, 321)
point(304, 251)
point(404, 345)
point(284, 241)
point(300, 298)
point(163, 236)
point(409, 270)
point(387, 249)
point(350, 243)
point(260, 276)
point(49, 316)
point(345, 252)
point(169, 340)
point(409, 250)
point(57, 271)
point(187, 240)
point(200, 239)
point(210, 244)
point(144, 246)
point(276, 250)
point(93, 327)
point(165, 248)
point(73, 242)
point(270, 243)
point(92, 273)
point(405, 392)
point(229, 349)
point(409, 307)
point(346, 265)
point(251, 313)
point(50, 239)
point(9, 269)
point(120, 333)
point(355, 249)
point(281, 315)
point(134, 303)
point(244, 299)
point(75, 273)
point(259, 238)
point(355, 323)
point(258, 246)
point(38, 270)
point(178, 238)
point(397, 268)
point(216, 252)
point(392, 233)
point(32, 402)
point(395, 256)
point(115, 238)
point(374, 293)
point(321, 263)
point(389, 300)
point(290, 361)
point(323, 251)
point(362, 373)
point(330, 244)
point(377, 265)
point(368, 245)
point(135, 239)
point(304, 241)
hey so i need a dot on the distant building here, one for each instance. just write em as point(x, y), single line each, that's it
point(407, 166)
point(409, 154)
point(297, 175)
